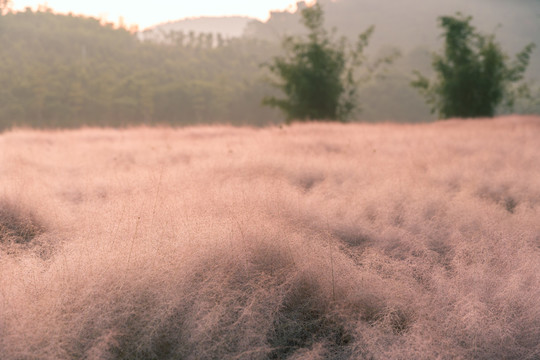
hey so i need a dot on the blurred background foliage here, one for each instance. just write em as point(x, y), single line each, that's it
point(69, 71)
point(58, 70)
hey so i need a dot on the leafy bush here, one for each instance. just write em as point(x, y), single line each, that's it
point(474, 75)
point(317, 74)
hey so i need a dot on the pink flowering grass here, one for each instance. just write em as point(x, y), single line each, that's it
point(314, 241)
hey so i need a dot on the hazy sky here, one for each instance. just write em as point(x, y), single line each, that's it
point(153, 12)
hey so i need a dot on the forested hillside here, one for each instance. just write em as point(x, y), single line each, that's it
point(59, 70)
point(68, 71)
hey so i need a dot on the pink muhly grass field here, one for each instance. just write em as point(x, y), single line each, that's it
point(314, 241)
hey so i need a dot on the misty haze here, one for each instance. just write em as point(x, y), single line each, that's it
point(349, 179)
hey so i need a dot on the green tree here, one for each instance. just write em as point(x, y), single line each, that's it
point(317, 74)
point(473, 76)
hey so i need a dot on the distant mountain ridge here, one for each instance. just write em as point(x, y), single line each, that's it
point(227, 26)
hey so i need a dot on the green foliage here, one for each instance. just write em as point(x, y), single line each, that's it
point(69, 71)
point(317, 74)
point(474, 75)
